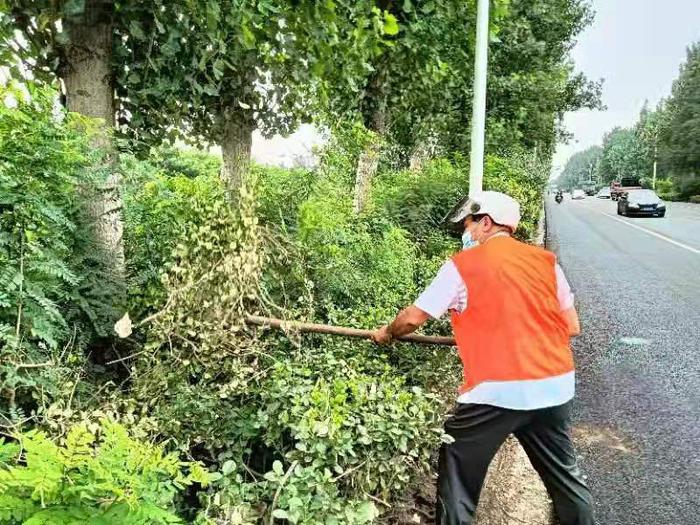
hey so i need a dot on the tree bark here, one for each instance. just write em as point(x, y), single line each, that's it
point(419, 157)
point(367, 165)
point(236, 141)
point(87, 75)
point(374, 111)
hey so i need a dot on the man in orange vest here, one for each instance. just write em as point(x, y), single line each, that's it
point(512, 316)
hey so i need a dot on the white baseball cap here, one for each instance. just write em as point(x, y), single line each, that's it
point(502, 209)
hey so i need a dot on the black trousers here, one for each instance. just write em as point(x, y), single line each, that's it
point(478, 432)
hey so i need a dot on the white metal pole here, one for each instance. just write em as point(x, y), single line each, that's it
point(653, 180)
point(476, 161)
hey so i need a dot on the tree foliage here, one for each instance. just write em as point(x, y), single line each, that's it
point(97, 477)
point(531, 81)
point(680, 130)
point(581, 166)
point(211, 72)
point(54, 287)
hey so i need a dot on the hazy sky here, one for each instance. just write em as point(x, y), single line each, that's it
point(636, 46)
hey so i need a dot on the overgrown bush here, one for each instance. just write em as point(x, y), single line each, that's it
point(98, 475)
point(307, 429)
point(55, 296)
point(160, 209)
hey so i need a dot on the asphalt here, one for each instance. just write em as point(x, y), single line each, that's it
point(637, 418)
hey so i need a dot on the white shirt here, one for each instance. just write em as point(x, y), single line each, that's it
point(448, 291)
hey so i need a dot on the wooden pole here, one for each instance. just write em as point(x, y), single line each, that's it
point(343, 331)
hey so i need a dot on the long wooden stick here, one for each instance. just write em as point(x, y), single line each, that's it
point(341, 330)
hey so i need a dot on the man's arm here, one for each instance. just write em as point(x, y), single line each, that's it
point(571, 316)
point(408, 321)
point(566, 302)
point(442, 294)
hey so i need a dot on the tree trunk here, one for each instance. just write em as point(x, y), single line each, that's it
point(236, 140)
point(87, 76)
point(374, 110)
point(419, 157)
point(367, 165)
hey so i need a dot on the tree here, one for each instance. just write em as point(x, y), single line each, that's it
point(679, 143)
point(622, 156)
point(648, 130)
point(212, 71)
point(72, 41)
point(531, 82)
point(420, 93)
point(407, 82)
point(580, 167)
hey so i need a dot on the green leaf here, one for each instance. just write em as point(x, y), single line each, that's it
point(366, 512)
point(228, 467)
point(391, 25)
point(280, 514)
point(213, 12)
point(136, 30)
point(248, 37)
point(277, 467)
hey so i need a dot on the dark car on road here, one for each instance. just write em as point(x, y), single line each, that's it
point(641, 202)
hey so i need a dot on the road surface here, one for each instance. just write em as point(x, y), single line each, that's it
point(637, 286)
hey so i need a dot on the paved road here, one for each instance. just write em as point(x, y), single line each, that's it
point(637, 284)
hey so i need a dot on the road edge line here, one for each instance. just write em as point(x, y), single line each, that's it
point(653, 233)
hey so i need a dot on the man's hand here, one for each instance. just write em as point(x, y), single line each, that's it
point(406, 322)
point(382, 336)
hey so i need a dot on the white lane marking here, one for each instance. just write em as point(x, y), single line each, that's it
point(650, 232)
point(635, 341)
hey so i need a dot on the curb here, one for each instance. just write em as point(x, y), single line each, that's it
point(541, 233)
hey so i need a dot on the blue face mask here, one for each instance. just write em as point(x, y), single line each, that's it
point(467, 241)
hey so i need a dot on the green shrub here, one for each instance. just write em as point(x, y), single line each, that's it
point(664, 186)
point(672, 196)
point(158, 211)
point(340, 426)
point(524, 179)
point(308, 429)
point(55, 293)
point(97, 476)
point(276, 186)
point(418, 201)
point(695, 199)
point(190, 163)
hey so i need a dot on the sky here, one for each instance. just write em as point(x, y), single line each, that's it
point(636, 46)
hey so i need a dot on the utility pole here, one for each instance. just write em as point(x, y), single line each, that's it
point(476, 159)
point(653, 178)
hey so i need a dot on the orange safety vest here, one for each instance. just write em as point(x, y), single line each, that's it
point(513, 328)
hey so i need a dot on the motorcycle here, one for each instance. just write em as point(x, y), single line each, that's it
point(559, 197)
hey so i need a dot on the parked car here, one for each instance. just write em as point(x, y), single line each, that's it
point(578, 194)
point(603, 193)
point(641, 202)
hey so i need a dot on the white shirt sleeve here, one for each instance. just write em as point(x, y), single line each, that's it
point(566, 298)
point(446, 292)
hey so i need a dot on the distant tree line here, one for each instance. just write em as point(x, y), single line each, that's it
point(668, 136)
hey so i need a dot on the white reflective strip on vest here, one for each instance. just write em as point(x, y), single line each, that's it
point(528, 394)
